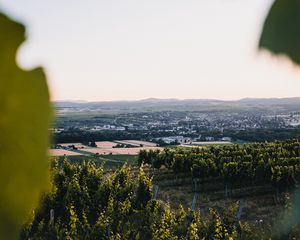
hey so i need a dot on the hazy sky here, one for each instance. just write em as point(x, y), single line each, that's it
point(135, 49)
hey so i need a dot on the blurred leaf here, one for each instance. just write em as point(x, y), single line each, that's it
point(24, 122)
point(281, 30)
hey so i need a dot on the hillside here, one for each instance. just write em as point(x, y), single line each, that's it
point(187, 104)
point(218, 192)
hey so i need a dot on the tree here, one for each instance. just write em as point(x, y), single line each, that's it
point(144, 192)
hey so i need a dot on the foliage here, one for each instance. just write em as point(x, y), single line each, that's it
point(275, 163)
point(89, 203)
point(24, 122)
point(281, 31)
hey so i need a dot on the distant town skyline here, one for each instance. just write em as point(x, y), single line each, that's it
point(137, 49)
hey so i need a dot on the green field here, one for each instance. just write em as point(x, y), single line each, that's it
point(108, 161)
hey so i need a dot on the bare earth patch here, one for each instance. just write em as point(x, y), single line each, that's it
point(119, 151)
point(105, 144)
point(62, 152)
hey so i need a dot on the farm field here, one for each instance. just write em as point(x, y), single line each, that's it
point(105, 153)
point(139, 143)
point(107, 161)
point(119, 151)
point(77, 145)
point(105, 144)
point(125, 142)
point(104, 148)
point(62, 152)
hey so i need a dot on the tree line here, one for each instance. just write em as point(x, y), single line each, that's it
point(276, 163)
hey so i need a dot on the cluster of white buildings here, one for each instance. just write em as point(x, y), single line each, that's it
point(188, 140)
point(107, 127)
point(178, 139)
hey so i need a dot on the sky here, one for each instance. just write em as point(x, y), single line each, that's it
point(97, 50)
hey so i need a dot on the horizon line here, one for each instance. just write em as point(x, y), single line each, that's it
point(174, 99)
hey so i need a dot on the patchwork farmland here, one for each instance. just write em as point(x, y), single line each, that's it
point(112, 154)
point(126, 147)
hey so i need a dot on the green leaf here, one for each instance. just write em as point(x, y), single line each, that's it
point(281, 30)
point(24, 121)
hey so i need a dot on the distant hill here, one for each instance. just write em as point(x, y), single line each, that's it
point(271, 101)
point(187, 104)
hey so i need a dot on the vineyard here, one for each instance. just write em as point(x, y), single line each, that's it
point(247, 165)
point(224, 192)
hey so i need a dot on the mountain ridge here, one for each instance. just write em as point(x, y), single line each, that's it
point(175, 100)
